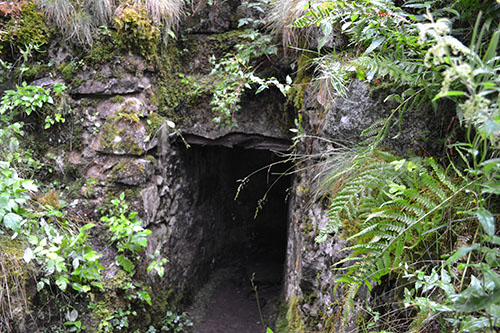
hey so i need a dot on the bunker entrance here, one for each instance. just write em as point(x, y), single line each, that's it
point(239, 196)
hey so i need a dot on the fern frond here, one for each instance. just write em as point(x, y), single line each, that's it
point(389, 220)
point(391, 226)
point(441, 175)
point(433, 186)
point(408, 206)
point(315, 14)
point(367, 248)
point(364, 232)
point(399, 216)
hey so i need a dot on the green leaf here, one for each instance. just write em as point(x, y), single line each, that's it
point(492, 47)
point(261, 88)
point(461, 252)
point(13, 222)
point(375, 43)
point(80, 287)
point(170, 124)
point(62, 282)
point(40, 285)
point(30, 185)
point(52, 255)
point(87, 226)
point(487, 221)
point(98, 285)
point(127, 265)
point(92, 256)
point(448, 94)
point(4, 201)
point(28, 255)
point(474, 298)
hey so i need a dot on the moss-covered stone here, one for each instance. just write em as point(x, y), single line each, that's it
point(118, 140)
point(102, 51)
point(117, 99)
point(153, 123)
point(294, 322)
point(27, 27)
point(33, 72)
point(182, 90)
point(124, 132)
point(68, 71)
point(136, 33)
point(300, 84)
point(132, 172)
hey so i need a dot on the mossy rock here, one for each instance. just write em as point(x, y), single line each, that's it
point(136, 33)
point(182, 90)
point(193, 49)
point(102, 51)
point(33, 72)
point(300, 84)
point(68, 71)
point(124, 133)
point(121, 138)
point(293, 316)
point(26, 27)
point(132, 172)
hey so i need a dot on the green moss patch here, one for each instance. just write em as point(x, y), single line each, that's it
point(28, 27)
point(136, 33)
point(182, 90)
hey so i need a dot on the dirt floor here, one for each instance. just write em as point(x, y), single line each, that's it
point(228, 302)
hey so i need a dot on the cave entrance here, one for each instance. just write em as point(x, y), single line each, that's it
point(240, 199)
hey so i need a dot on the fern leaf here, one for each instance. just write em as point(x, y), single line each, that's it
point(434, 186)
point(441, 174)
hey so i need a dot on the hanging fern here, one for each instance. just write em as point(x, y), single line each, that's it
point(385, 207)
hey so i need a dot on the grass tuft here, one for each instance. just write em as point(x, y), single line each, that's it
point(281, 18)
point(167, 12)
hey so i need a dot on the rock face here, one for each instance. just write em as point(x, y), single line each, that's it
point(347, 117)
point(183, 195)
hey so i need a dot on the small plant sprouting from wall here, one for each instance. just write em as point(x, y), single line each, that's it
point(235, 74)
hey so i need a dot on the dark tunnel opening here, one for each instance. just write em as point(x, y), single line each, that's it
point(240, 202)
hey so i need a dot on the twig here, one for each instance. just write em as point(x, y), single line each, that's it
point(257, 297)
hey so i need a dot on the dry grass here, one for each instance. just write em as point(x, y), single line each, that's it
point(280, 19)
point(102, 10)
point(78, 20)
point(81, 28)
point(59, 12)
point(167, 12)
point(13, 295)
point(76, 24)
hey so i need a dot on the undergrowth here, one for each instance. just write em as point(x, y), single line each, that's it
point(422, 229)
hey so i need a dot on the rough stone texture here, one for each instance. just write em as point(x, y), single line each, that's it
point(102, 82)
point(336, 39)
point(133, 172)
point(346, 118)
point(211, 17)
point(261, 114)
point(309, 277)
